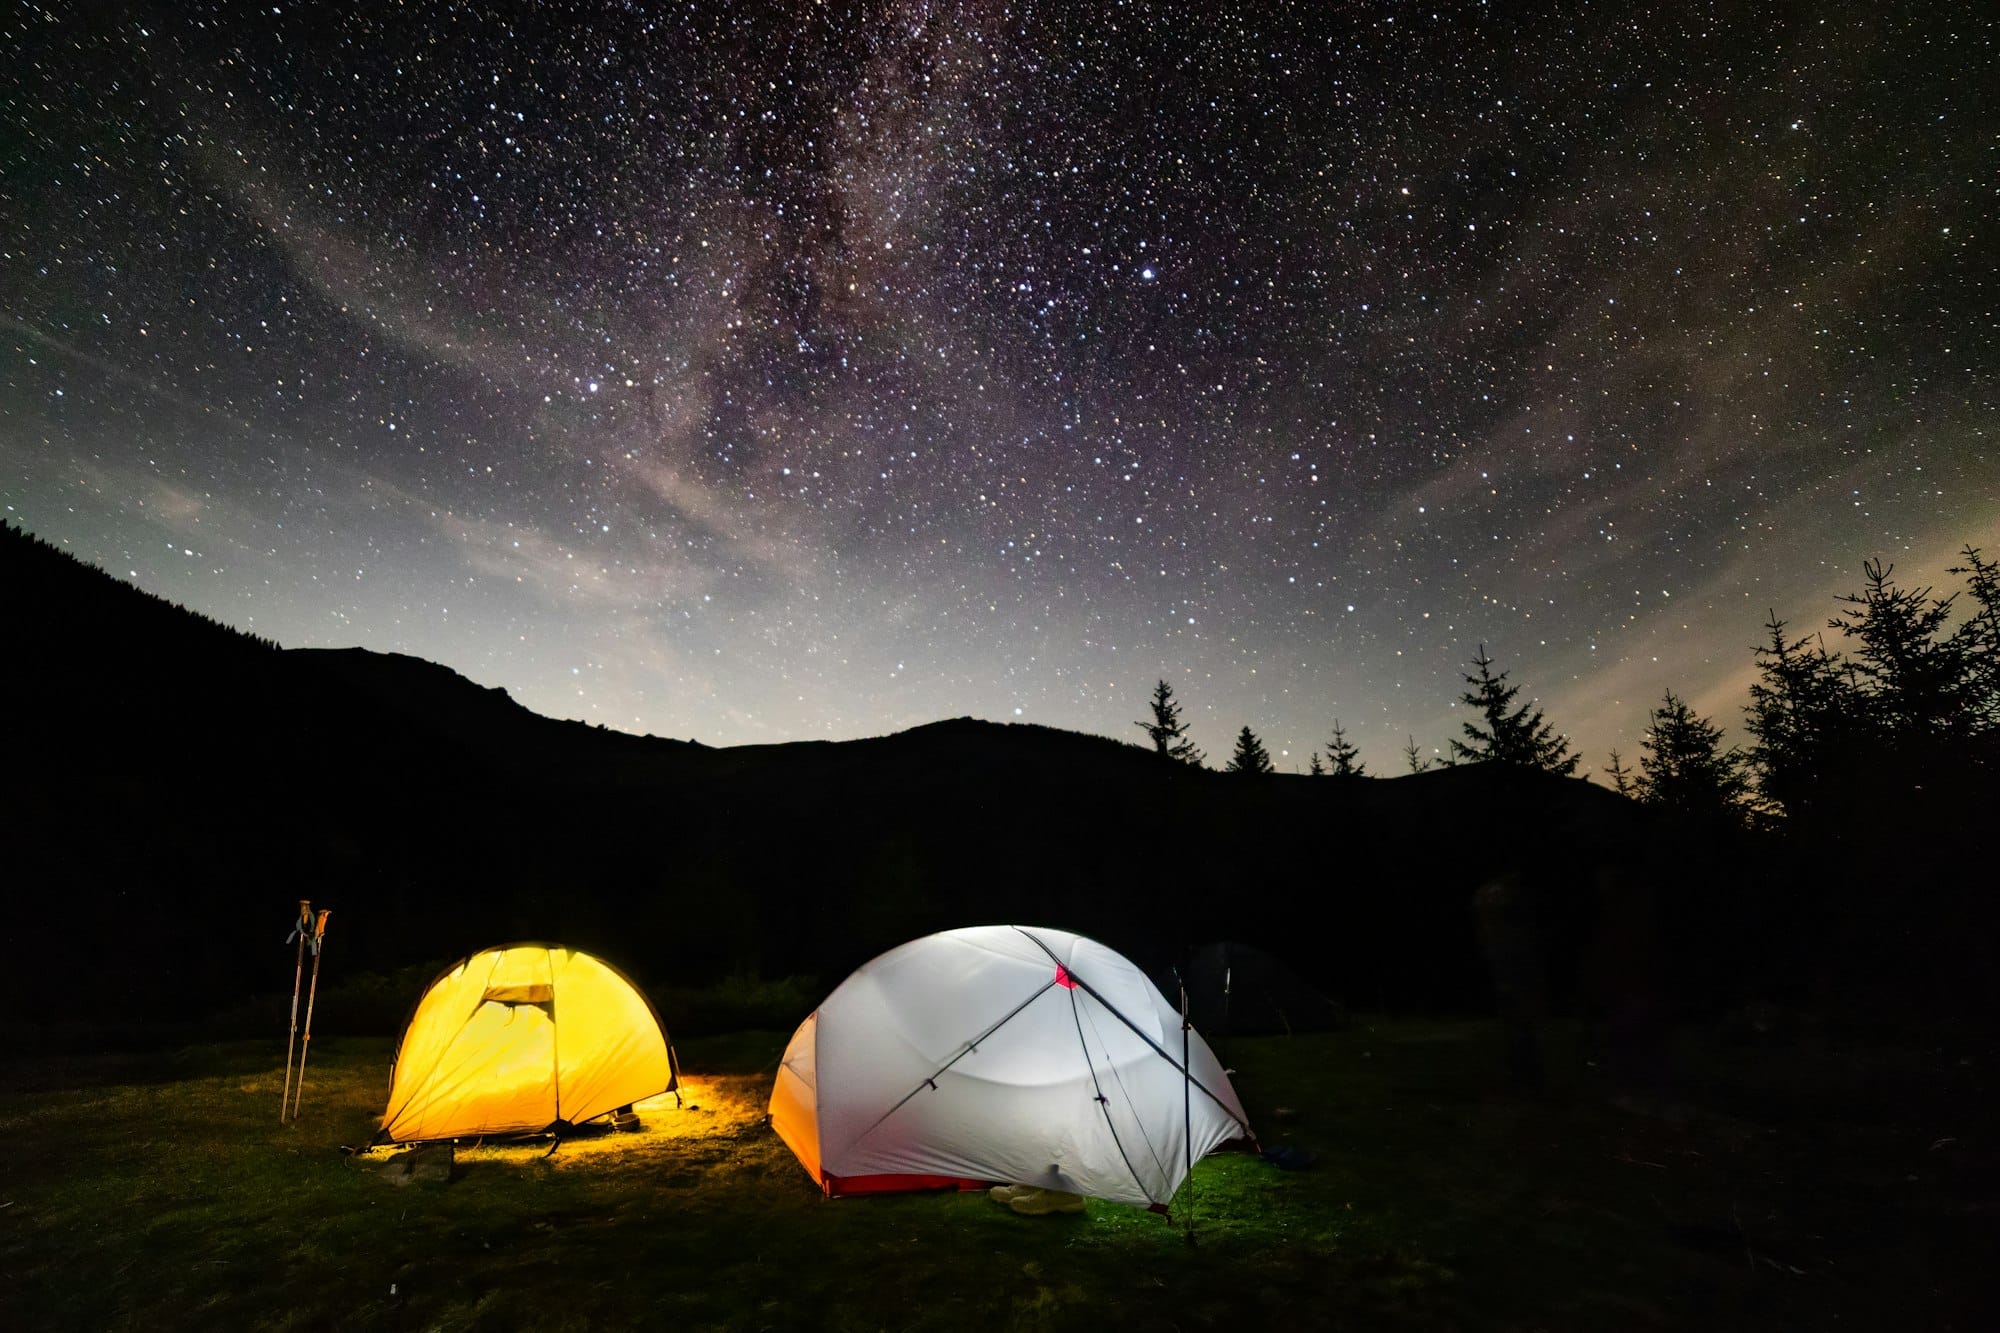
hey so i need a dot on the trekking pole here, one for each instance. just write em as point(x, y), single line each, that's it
point(1227, 973)
point(312, 992)
point(1187, 1103)
point(300, 930)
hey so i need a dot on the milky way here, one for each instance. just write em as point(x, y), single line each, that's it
point(761, 373)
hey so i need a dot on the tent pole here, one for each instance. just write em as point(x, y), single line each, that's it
point(312, 993)
point(300, 929)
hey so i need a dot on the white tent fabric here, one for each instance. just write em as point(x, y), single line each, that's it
point(1008, 1054)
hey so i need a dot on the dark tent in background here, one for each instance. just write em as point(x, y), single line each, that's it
point(1237, 989)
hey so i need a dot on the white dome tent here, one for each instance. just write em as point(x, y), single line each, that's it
point(1007, 1054)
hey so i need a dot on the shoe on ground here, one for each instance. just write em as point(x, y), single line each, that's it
point(1041, 1203)
point(1007, 1193)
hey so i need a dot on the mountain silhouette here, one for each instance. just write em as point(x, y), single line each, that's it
point(177, 785)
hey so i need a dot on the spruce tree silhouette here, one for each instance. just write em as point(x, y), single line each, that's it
point(1621, 776)
point(1916, 676)
point(1915, 706)
point(1684, 769)
point(1415, 757)
point(1250, 757)
point(1343, 756)
point(1803, 707)
point(1167, 732)
point(1883, 757)
point(1979, 637)
point(1519, 736)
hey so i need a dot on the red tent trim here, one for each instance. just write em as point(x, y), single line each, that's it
point(840, 1186)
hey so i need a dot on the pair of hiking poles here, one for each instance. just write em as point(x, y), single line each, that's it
point(310, 932)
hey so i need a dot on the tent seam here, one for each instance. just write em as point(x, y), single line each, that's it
point(1104, 1105)
point(931, 1082)
point(459, 1027)
point(1158, 1050)
point(555, 1031)
point(1137, 1119)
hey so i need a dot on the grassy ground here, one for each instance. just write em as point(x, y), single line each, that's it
point(1786, 1190)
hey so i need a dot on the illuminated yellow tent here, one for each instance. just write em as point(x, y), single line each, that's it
point(521, 1039)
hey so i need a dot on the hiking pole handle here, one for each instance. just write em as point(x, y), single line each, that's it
point(312, 993)
point(300, 929)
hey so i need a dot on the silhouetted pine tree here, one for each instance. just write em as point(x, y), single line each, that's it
point(1915, 676)
point(1415, 757)
point(1344, 756)
point(1979, 638)
point(1167, 732)
point(1318, 769)
point(1251, 757)
point(1804, 709)
point(1683, 767)
point(1917, 703)
point(1621, 776)
point(1884, 758)
point(1519, 736)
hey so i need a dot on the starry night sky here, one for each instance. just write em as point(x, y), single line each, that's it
point(758, 373)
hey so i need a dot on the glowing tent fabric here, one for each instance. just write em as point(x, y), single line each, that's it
point(1007, 1054)
point(520, 1039)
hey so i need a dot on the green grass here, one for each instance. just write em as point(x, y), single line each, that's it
point(1803, 1192)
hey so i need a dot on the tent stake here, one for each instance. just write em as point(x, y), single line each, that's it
point(300, 929)
point(312, 993)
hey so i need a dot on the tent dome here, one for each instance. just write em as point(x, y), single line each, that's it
point(1009, 1054)
point(1237, 989)
point(524, 1038)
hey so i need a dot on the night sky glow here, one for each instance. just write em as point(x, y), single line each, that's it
point(757, 373)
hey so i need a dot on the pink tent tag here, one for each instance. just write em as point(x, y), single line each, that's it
point(1063, 978)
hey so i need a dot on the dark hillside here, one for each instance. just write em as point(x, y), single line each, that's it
point(177, 785)
point(88, 614)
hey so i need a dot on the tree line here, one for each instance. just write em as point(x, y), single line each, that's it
point(64, 577)
point(1912, 689)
